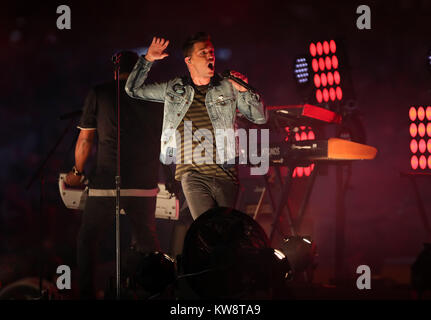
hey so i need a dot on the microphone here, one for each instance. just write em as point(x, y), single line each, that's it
point(226, 74)
point(116, 58)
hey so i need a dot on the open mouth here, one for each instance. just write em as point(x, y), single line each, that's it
point(211, 66)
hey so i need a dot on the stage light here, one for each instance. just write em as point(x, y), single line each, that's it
point(328, 63)
point(223, 54)
point(317, 81)
point(300, 252)
point(319, 48)
point(299, 171)
point(226, 254)
point(312, 136)
point(319, 96)
point(413, 146)
point(428, 113)
point(421, 129)
point(421, 113)
point(326, 47)
point(324, 80)
point(332, 94)
point(304, 133)
point(422, 162)
point(429, 162)
point(413, 130)
point(301, 72)
point(326, 95)
point(154, 271)
point(313, 49)
point(321, 64)
point(335, 62)
point(412, 113)
point(429, 60)
point(414, 162)
point(315, 65)
point(337, 77)
point(329, 68)
point(330, 78)
point(332, 46)
point(339, 93)
point(422, 146)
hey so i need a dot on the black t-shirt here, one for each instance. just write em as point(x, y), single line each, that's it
point(141, 124)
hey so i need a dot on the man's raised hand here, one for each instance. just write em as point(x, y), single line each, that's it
point(156, 49)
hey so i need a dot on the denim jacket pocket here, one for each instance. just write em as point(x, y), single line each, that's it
point(174, 98)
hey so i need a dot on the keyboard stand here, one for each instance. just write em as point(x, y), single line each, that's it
point(284, 205)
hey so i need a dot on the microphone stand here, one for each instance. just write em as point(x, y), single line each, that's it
point(116, 61)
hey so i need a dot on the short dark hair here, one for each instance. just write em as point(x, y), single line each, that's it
point(197, 37)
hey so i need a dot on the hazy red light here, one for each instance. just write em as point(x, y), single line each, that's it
point(317, 80)
point(313, 49)
point(412, 114)
point(334, 62)
point(330, 78)
point(413, 146)
point(324, 80)
point(332, 46)
point(422, 146)
point(307, 171)
point(422, 162)
point(429, 129)
point(321, 64)
point(429, 162)
point(337, 77)
point(421, 129)
point(325, 95)
point(297, 137)
point(429, 145)
point(300, 171)
point(303, 136)
point(339, 93)
point(328, 63)
point(413, 130)
point(312, 136)
point(428, 112)
point(414, 162)
point(294, 173)
point(319, 96)
point(332, 94)
point(315, 65)
point(326, 47)
point(319, 48)
point(421, 113)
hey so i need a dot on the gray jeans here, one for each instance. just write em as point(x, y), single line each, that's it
point(204, 192)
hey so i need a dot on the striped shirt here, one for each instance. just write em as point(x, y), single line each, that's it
point(197, 114)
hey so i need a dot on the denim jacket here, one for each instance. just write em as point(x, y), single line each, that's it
point(221, 101)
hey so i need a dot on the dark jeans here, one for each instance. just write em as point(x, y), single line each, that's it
point(97, 218)
point(204, 192)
